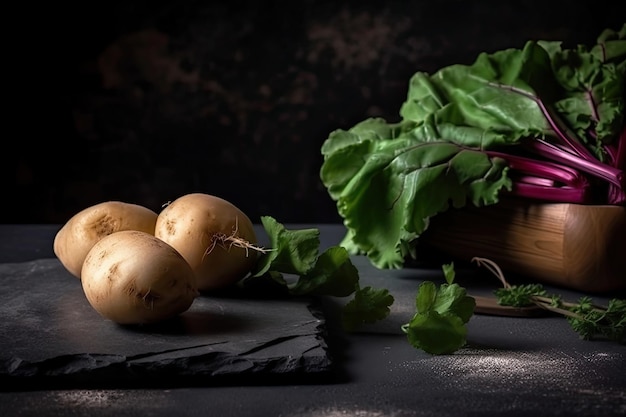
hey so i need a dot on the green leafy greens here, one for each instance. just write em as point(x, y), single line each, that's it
point(541, 122)
point(590, 321)
point(294, 266)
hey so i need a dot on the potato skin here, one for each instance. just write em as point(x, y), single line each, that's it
point(76, 237)
point(194, 224)
point(132, 277)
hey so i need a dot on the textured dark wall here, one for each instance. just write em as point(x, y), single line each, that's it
point(143, 101)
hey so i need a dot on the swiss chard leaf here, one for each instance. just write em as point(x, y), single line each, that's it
point(389, 192)
point(562, 106)
point(593, 88)
point(469, 95)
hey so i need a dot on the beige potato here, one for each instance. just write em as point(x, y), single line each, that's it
point(76, 237)
point(132, 277)
point(215, 237)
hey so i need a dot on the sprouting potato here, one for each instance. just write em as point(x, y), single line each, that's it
point(215, 237)
point(76, 237)
point(132, 277)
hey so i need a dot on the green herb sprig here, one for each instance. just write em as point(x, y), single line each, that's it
point(589, 320)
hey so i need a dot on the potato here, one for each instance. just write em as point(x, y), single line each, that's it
point(76, 237)
point(215, 237)
point(132, 277)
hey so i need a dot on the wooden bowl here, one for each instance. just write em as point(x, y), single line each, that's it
point(582, 247)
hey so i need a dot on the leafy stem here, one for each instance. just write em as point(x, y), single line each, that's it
point(587, 319)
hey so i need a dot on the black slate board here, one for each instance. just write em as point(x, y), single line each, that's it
point(51, 337)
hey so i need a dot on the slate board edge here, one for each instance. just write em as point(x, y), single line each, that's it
point(116, 371)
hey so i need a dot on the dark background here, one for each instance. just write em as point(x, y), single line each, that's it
point(144, 101)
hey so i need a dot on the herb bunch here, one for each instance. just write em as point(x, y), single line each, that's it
point(589, 320)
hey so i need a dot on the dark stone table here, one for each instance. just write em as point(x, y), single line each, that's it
point(510, 366)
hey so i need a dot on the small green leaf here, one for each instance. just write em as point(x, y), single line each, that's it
point(333, 274)
point(293, 251)
point(449, 272)
point(454, 299)
point(438, 326)
point(368, 306)
point(436, 333)
point(426, 296)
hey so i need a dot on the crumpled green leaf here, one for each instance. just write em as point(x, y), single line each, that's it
point(367, 306)
point(333, 274)
point(293, 266)
point(447, 298)
point(436, 333)
point(388, 188)
point(453, 299)
point(472, 95)
point(293, 251)
point(441, 313)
